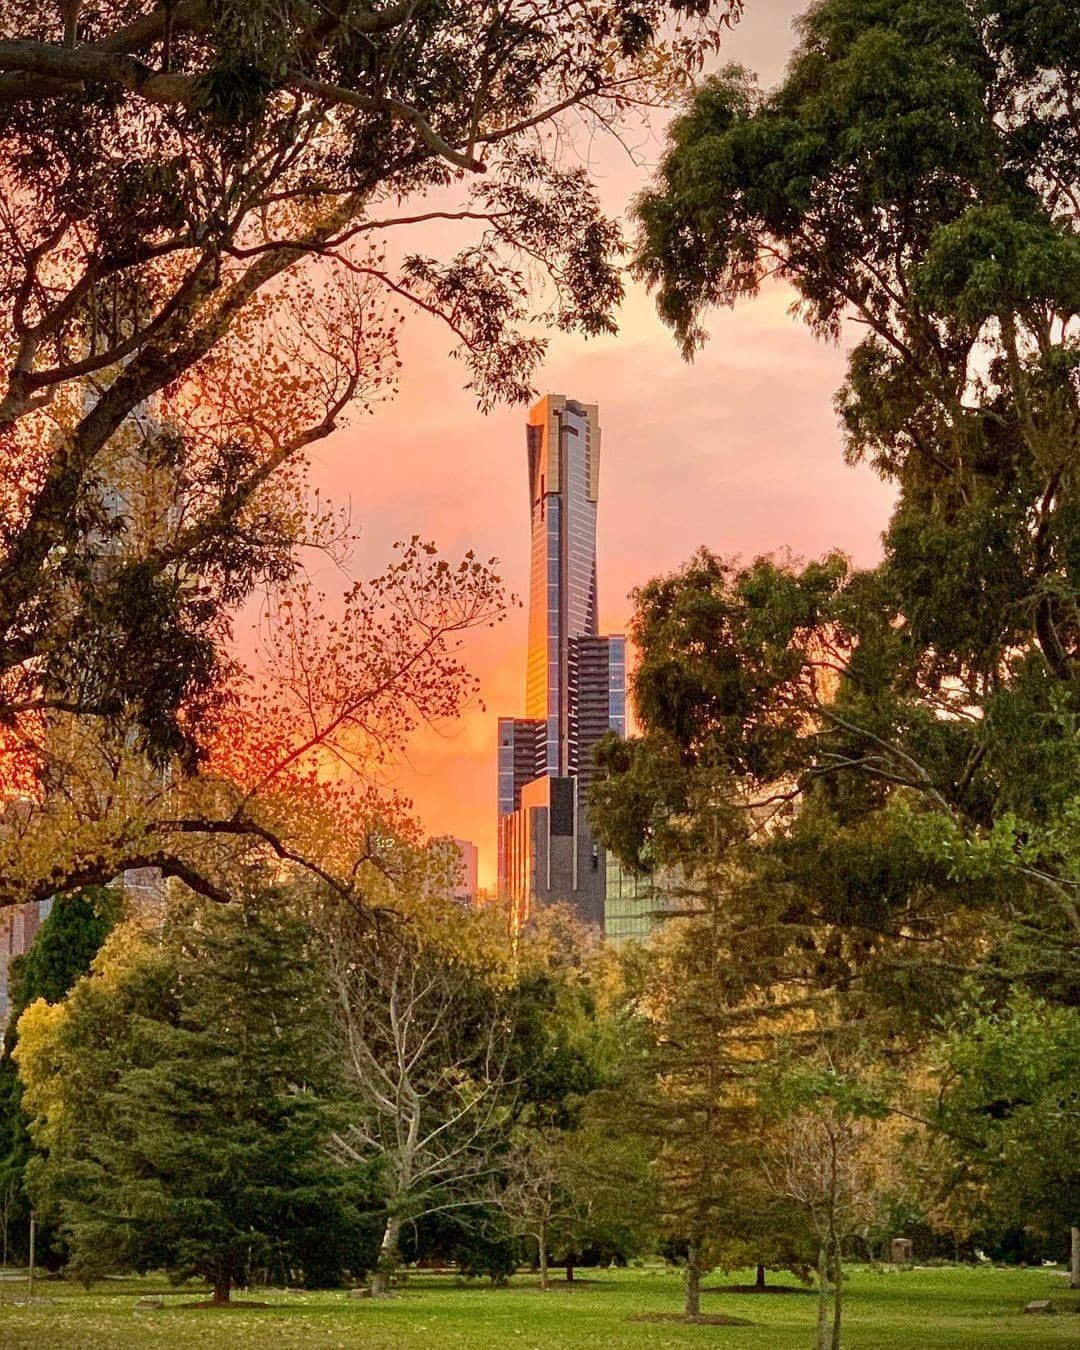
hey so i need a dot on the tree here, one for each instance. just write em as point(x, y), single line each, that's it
point(906, 732)
point(423, 1033)
point(475, 1238)
point(758, 689)
point(567, 1177)
point(178, 1096)
point(588, 1185)
point(888, 756)
point(823, 1168)
point(287, 760)
point(1008, 1117)
point(708, 1022)
point(915, 173)
point(196, 284)
point(63, 949)
point(534, 1195)
point(565, 1038)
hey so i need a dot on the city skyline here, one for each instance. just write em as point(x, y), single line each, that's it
point(575, 686)
point(740, 451)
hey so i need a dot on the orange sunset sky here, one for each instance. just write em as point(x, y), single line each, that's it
point(739, 451)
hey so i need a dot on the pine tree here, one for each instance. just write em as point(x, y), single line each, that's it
point(706, 1017)
point(182, 1095)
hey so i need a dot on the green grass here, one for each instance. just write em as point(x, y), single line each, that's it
point(933, 1309)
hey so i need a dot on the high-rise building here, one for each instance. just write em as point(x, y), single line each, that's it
point(18, 927)
point(575, 687)
point(466, 886)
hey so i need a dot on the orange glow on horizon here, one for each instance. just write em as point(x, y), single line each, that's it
point(739, 451)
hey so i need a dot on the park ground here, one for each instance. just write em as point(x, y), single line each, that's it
point(922, 1309)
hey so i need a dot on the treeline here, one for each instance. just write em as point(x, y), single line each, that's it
point(282, 1090)
point(285, 1089)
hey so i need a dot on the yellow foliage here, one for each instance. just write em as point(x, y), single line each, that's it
point(38, 1054)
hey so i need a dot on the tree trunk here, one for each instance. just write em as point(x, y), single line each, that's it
point(838, 1280)
point(759, 1280)
point(570, 1268)
point(542, 1252)
point(693, 1281)
point(823, 1299)
point(388, 1258)
point(222, 1288)
point(1074, 1257)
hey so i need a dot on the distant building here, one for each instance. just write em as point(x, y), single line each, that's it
point(467, 884)
point(575, 688)
point(634, 905)
point(19, 926)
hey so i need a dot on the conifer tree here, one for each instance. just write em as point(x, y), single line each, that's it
point(706, 1019)
point(180, 1093)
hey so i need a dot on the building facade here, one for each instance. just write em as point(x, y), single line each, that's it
point(19, 926)
point(575, 686)
point(635, 905)
point(466, 884)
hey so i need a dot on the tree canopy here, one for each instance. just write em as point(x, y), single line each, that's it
point(179, 1096)
point(914, 174)
point(199, 279)
point(887, 757)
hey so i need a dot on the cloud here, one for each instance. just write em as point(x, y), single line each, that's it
point(739, 451)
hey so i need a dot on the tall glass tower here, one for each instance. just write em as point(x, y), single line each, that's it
point(564, 471)
point(575, 687)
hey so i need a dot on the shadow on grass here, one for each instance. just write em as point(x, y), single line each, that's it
point(226, 1307)
point(758, 1289)
point(560, 1286)
point(702, 1319)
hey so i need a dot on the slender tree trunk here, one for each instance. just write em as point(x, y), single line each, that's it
point(759, 1280)
point(570, 1268)
point(222, 1289)
point(823, 1299)
point(838, 1292)
point(693, 1281)
point(388, 1258)
point(542, 1252)
point(1074, 1257)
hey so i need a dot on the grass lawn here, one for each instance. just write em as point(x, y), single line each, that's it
point(933, 1309)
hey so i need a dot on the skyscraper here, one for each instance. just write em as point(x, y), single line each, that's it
point(575, 687)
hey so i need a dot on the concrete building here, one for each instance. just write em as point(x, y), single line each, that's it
point(575, 687)
point(467, 879)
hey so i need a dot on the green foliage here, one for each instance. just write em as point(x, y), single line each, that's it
point(562, 1044)
point(1009, 1112)
point(62, 951)
point(915, 171)
point(181, 1094)
point(476, 1238)
point(888, 757)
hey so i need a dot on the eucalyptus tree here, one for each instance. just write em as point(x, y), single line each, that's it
point(200, 277)
point(889, 755)
point(913, 177)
